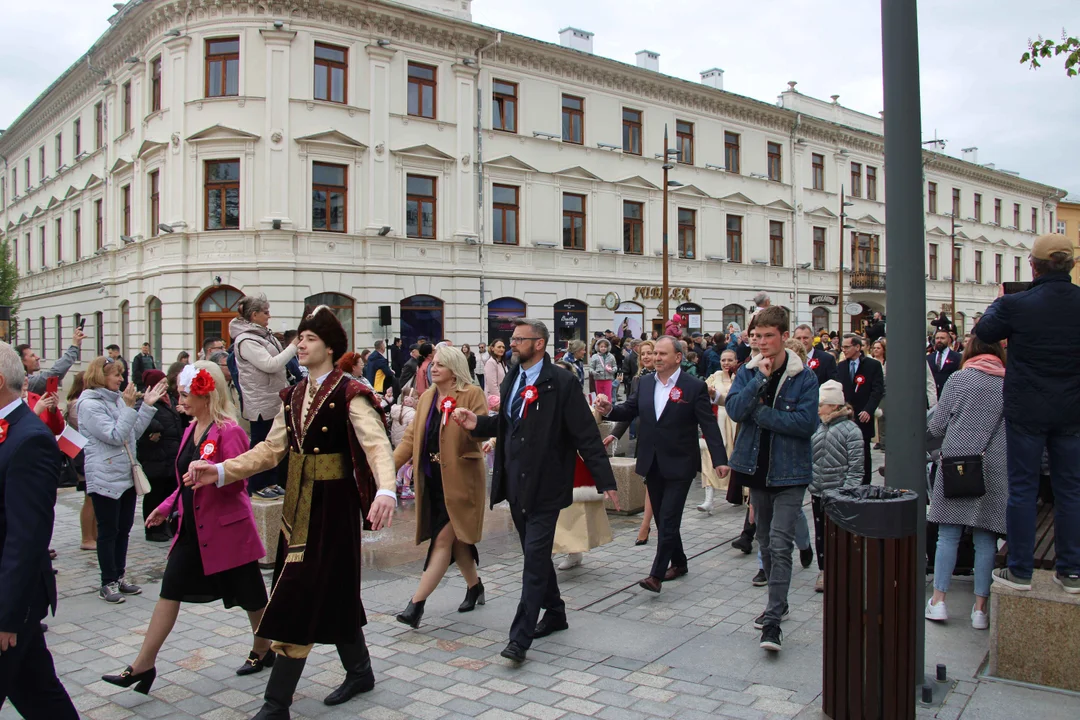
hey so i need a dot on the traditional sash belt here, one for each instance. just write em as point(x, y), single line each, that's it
point(304, 472)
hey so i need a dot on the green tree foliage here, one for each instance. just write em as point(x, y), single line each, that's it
point(1041, 49)
point(9, 282)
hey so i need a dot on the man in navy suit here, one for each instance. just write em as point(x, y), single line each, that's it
point(671, 406)
point(943, 362)
point(27, 586)
point(864, 387)
point(817, 359)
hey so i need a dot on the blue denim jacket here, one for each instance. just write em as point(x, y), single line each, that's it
point(792, 419)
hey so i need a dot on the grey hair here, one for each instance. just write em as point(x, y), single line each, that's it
point(761, 298)
point(380, 345)
point(217, 356)
point(855, 339)
point(251, 304)
point(575, 346)
point(804, 326)
point(538, 327)
point(1058, 262)
point(11, 367)
point(680, 346)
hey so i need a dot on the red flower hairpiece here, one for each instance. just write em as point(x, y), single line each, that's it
point(202, 384)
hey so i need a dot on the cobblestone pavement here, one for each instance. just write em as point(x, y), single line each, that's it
point(690, 652)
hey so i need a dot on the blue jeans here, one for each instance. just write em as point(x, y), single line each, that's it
point(1025, 450)
point(948, 540)
point(802, 536)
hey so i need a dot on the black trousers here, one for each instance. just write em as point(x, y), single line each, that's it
point(867, 460)
point(668, 498)
point(819, 529)
point(28, 678)
point(539, 586)
point(114, 518)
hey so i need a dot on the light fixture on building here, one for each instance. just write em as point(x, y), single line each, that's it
point(721, 168)
point(168, 229)
point(549, 136)
point(759, 176)
point(800, 141)
point(173, 33)
point(132, 61)
point(609, 146)
point(384, 231)
point(278, 24)
point(804, 266)
point(105, 83)
point(468, 61)
point(608, 249)
point(545, 244)
point(674, 183)
point(470, 240)
point(383, 43)
point(276, 223)
point(843, 151)
point(127, 240)
point(715, 258)
point(217, 280)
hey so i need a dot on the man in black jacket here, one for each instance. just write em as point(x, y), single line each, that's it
point(143, 361)
point(27, 585)
point(864, 386)
point(817, 359)
point(408, 370)
point(671, 406)
point(875, 329)
point(543, 424)
point(943, 362)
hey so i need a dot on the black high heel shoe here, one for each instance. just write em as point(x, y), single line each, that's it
point(473, 596)
point(142, 681)
point(254, 663)
point(412, 614)
point(642, 542)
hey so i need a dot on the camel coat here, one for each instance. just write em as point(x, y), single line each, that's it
point(463, 470)
point(722, 382)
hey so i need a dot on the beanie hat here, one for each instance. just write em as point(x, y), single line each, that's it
point(151, 378)
point(324, 323)
point(831, 393)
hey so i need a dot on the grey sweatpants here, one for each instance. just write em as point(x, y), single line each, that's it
point(775, 512)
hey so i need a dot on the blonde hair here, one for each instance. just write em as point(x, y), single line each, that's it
point(222, 409)
point(643, 343)
point(796, 347)
point(94, 377)
point(454, 360)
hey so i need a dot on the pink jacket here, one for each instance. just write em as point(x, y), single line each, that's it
point(226, 528)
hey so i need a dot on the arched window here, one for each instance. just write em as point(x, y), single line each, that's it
point(501, 315)
point(153, 326)
point(571, 322)
point(214, 310)
point(125, 329)
point(342, 305)
point(421, 316)
point(820, 319)
point(961, 325)
point(629, 317)
point(735, 314)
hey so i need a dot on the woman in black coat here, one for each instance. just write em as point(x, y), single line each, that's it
point(156, 451)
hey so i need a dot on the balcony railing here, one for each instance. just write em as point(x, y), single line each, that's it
point(868, 277)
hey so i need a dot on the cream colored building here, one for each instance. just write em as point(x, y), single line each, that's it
point(206, 148)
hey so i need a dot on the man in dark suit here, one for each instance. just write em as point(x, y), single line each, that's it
point(671, 406)
point(864, 386)
point(943, 362)
point(27, 586)
point(543, 424)
point(817, 359)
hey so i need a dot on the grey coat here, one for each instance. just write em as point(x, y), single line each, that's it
point(107, 424)
point(36, 383)
point(837, 448)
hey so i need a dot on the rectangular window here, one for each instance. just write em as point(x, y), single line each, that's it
point(856, 179)
point(1034, 219)
point(931, 197)
point(223, 67)
point(731, 152)
point(41, 335)
point(978, 266)
point(997, 268)
point(76, 131)
point(59, 240)
point(573, 119)
point(99, 125)
point(504, 106)
point(155, 84)
point(734, 238)
point(819, 248)
point(59, 325)
point(633, 225)
point(932, 267)
point(684, 141)
point(817, 164)
point(1016, 216)
point(29, 261)
point(155, 203)
point(59, 148)
point(420, 206)
point(125, 92)
point(422, 90)
point(573, 221)
point(631, 131)
point(26, 171)
point(125, 210)
point(1016, 269)
point(687, 234)
point(978, 207)
point(956, 202)
point(506, 213)
point(871, 183)
point(221, 190)
point(775, 170)
point(41, 245)
point(76, 219)
point(41, 164)
point(956, 256)
point(331, 73)
point(776, 243)
point(99, 220)
point(15, 182)
point(329, 197)
point(997, 212)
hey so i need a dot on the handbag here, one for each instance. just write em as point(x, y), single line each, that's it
point(962, 476)
point(138, 475)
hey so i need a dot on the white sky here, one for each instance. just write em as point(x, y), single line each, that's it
point(974, 90)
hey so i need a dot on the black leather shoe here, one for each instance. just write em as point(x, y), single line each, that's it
point(473, 596)
point(254, 663)
point(352, 687)
point(412, 614)
point(674, 573)
point(550, 623)
point(142, 681)
point(743, 543)
point(514, 652)
point(806, 557)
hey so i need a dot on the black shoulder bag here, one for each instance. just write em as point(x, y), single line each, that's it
point(962, 477)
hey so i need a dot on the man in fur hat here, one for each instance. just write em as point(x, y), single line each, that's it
point(341, 469)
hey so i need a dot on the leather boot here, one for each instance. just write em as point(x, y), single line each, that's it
point(473, 596)
point(359, 677)
point(707, 506)
point(412, 614)
point(280, 688)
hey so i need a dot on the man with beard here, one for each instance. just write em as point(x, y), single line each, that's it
point(943, 361)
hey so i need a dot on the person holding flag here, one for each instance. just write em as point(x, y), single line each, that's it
point(215, 554)
point(449, 481)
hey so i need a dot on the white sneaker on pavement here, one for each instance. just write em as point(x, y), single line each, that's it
point(979, 619)
point(572, 560)
point(937, 612)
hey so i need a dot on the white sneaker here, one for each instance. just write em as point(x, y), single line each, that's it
point(571, 561)
point(936, 612)
point(979, 619)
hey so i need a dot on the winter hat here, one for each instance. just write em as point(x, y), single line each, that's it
point(151, 378)
point(831, 393)
point(323, 322)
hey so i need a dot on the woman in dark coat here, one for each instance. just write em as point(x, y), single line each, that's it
point(156, 451)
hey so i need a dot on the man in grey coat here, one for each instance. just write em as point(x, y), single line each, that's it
point(36, 377)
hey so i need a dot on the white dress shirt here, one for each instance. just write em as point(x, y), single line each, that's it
point(10, 408)
point(662, 391)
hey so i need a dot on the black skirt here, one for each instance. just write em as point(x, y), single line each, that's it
point(438, 516)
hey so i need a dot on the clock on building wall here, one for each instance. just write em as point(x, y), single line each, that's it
point(612, 300)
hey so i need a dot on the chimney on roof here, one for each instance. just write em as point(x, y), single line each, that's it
point(575, 39)
point(649, 60)
point(713, 77)
point(835, 99)
point(971, 154)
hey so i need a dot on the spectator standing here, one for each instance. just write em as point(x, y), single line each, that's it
point(482, 356)
point(818, 358)
point(495, 369)
point(864, 387)
point(377, 369)
point(397, 356)
point(143, 361)
point(113, 353)
point(719, 383)
point(211, 344)
point(470, 359)
point(423, 376)
point(575, 358)
point(183, 357)
point(630, 361)
point(36, 378)
point(943, 361)
point(603, 367)
point(875, 329)
point(878, 351)
point(156, 451)
point(408, 370)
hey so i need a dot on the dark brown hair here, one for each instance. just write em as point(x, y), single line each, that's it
point(772, 316)
point(975, 347)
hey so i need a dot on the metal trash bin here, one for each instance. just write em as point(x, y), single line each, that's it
point(870, 603)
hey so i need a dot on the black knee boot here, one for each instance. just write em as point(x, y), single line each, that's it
point(359, 677)
point(280, 688)
point(745, 541)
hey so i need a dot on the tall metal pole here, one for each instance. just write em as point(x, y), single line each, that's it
point(667, 166)
point(906, 287)
point(952, 273)
point(840, 292)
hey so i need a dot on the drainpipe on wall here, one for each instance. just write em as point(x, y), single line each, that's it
point(480, 171)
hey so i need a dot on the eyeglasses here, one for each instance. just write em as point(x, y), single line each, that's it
point(518, 340)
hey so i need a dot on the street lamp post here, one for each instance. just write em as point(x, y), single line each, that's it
point(664, 259)
point(844, 204)
point(954, 270)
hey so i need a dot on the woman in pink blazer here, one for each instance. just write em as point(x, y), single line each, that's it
point(215, 554)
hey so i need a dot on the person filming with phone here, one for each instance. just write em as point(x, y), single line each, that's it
point(36, 377)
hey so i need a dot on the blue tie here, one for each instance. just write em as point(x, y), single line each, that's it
point(515, 404)
point(854, 368)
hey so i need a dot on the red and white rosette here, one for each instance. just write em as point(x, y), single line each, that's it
point(675, 395)
point(446, 407)
point(207, 450)
point(859, 380)
point(3, 430)
point(813, 364)
point(530, 394)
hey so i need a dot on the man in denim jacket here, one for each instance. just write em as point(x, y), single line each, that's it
point(774, 399)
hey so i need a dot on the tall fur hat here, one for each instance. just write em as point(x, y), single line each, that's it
point(323, 322)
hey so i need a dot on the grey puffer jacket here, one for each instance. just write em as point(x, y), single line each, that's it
point(837, 448)
point(107, 422)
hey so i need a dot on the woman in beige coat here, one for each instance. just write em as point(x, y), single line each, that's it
point(719, 383)
point(449, 480)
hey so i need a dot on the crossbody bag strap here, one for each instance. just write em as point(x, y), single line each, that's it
point(131, 458)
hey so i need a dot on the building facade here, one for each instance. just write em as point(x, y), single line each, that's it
point(372, 154)
point(1068, 224)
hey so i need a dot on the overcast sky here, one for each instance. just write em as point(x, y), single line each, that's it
point(974, 90)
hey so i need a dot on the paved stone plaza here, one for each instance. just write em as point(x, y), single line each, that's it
point(690, 652)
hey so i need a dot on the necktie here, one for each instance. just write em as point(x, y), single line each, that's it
point(941, 360)
point(518, 400)
point(854, 369)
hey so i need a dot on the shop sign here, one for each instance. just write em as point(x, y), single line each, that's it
point(823, 300)
point(656, 292)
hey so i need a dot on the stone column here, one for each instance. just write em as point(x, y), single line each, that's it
point(378, 170)
point(275, 175)
point(466, 192)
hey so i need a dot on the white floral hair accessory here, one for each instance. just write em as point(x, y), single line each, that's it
point(183, 382)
